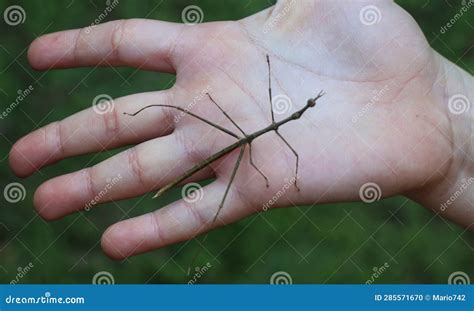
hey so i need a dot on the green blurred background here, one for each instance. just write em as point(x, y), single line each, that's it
point(337, 243)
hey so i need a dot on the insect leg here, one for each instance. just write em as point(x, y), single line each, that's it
point(226, 115)
point(296, 155)
point(253, 164)
point(234, 171)
point(270, 88)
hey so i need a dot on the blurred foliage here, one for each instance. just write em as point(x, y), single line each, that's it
point(337, 243)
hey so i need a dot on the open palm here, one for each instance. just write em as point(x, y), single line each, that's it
point(378, 125)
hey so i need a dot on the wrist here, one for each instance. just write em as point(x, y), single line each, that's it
point(451, 194)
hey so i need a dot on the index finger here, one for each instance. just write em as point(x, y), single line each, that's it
point(140, 43)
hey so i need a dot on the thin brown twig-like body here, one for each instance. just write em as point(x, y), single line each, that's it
point(240, 143)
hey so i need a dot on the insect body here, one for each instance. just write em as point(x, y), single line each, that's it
point(242, 141)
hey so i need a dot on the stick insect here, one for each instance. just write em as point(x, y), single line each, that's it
point(242, 141)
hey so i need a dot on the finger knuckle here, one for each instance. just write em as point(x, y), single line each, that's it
point(136, 167)
point(116, 38)
point(197, 214)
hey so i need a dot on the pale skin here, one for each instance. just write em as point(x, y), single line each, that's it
point(406, 140)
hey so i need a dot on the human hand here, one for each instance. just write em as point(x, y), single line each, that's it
point(380, 122)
